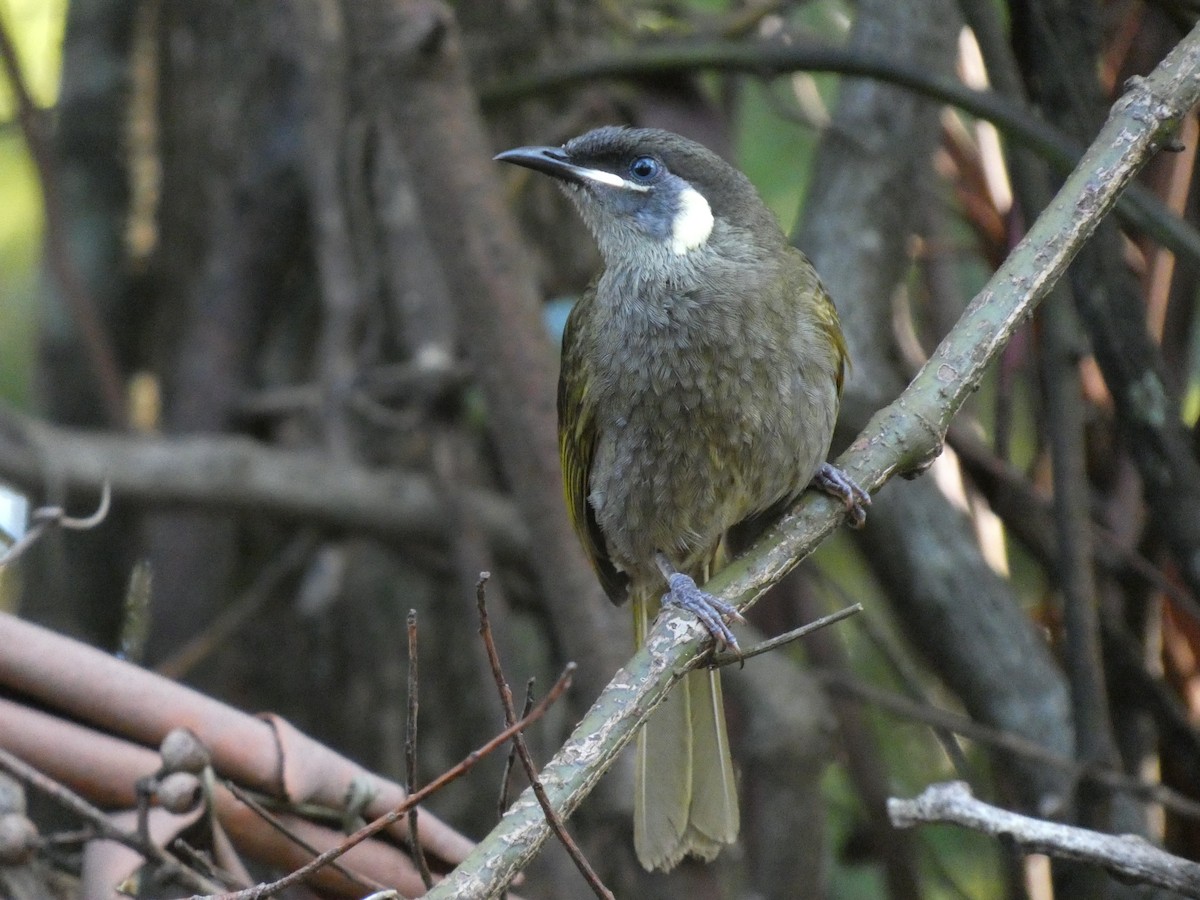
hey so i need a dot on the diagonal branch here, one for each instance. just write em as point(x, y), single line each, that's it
point(899, 439)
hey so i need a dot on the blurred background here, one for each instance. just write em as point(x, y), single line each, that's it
point(258, 270)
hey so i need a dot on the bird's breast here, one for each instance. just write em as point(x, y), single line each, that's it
point(701, 418)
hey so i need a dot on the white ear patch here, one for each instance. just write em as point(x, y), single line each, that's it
point(693, 222)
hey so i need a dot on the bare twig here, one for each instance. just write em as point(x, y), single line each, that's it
point(726, 659)
point(1128, 856)
point(510, 716)
point(506, 777)
point(410, 751)
point(265, 890)
point(46, 517)
point(271, 819)
point(104, 826)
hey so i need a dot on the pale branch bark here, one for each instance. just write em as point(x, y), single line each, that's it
point(238, 474)
point(1130, 857)
point(900, 439)
point(1138, 207)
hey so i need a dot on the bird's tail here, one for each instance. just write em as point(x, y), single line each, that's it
point(686, 799)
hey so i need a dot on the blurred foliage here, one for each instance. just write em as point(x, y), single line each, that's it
point(36, 27)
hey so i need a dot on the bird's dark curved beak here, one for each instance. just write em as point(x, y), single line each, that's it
point(548, 160)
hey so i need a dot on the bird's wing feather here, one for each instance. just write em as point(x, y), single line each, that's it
point(577, 430)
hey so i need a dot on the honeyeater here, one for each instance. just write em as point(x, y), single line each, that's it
point(701, 375)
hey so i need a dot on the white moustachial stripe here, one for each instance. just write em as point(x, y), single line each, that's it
point(693, 222)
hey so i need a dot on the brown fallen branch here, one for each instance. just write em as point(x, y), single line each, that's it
point(1128, 856)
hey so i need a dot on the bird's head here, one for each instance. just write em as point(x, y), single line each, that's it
point(650, 194)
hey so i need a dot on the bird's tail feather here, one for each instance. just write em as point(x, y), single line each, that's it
point(685, 799)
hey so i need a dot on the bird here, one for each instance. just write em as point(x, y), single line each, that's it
point(701, 375)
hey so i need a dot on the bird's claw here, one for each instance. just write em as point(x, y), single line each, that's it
point(710, 610)
point(837, 484)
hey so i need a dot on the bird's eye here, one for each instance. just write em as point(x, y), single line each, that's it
point(645, 169)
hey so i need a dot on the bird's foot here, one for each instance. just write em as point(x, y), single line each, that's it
point(837, 484)
point(712, 611)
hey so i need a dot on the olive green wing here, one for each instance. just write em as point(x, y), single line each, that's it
point(806, 280)
point(577, 430)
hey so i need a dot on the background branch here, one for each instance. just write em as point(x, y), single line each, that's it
point(1128, 856)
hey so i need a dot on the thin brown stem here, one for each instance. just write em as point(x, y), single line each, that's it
point(65, 797)
point(410, 751)
point(510, 716)
point(727, 659)
point(391, 818)
point(276, 823)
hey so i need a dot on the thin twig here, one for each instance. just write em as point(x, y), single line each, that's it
point(728, 659)
point(391, 818)
point(506, 778)
point(410, 752)
point(275, 822)
point(68, 799)
point(45, 517)
point(510, 716)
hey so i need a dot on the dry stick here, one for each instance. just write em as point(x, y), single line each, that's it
point(728, 659)
point(47, 516)
point(510, 715)
point(410, 752)
point(82, 304)
point(506, 778)
point(275, 822)
point(391, 818)
point(67, 798)
point(508, 764)
point(1129, 857)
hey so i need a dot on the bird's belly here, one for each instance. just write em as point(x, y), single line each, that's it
point(674, 471)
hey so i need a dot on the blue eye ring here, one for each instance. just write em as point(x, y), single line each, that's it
point(645, 169)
